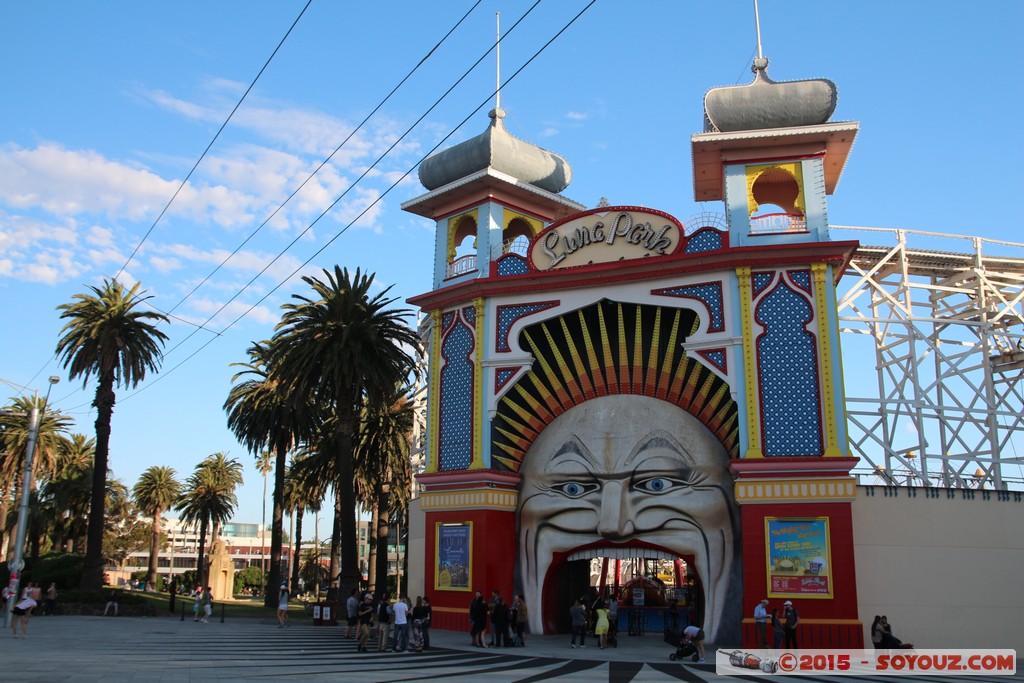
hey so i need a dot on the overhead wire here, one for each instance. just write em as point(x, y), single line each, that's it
point(330, 156)
point(202, 156)
point(379, 198)
point(348, 189)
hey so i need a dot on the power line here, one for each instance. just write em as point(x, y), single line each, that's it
point(380, 197)
point(205, 151)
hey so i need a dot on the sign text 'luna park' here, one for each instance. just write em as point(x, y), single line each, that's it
point(605, 235)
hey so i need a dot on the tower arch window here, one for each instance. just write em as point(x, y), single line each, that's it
point(519, 230)
point(462, 236)
point(775, 198)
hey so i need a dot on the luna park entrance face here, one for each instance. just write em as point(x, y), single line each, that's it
point(627, 477)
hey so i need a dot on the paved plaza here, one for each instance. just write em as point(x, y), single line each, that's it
point(165, 650)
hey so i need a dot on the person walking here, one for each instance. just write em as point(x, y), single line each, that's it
point(761, 623)
point(282, 606)
point(197, 603)
point(50, 606)
point(791, 618)
point(401, 620)
point(578, 616)
point(111, 603)
point(207, 604)
point(519, 619)
point(601, 624)
point(364, 615)
point(477, 619)
point(383, 623)
point(778, 629)
point(22, 612)
point(352, 607)
point(428, 614)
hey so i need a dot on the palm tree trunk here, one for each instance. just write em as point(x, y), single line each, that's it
point(201, 558)
point(92, 575)
point(154, 549)
point(345, 516)
point(274, 578)
point(371, 560)
point(381, 540)
point(299, 511)
point(334, 589)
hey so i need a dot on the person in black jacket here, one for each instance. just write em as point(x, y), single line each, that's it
point(478, 619)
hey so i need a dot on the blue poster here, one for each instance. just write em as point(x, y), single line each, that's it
point(454, 556)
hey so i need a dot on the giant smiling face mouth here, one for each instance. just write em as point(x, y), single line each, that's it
point(625, 476)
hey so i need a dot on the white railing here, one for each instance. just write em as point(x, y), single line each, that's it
point(777, 224)
point(462, 265)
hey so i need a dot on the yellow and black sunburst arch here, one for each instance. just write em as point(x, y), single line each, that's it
point(605, 349)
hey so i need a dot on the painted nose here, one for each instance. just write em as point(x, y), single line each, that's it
point(616, 521)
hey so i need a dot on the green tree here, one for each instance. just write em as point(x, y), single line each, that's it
point(207, 497)
point(386, 474)
point(262, 415)
point(65, 495)
point(15, 425)
point(346, 347)
point(228, 472)
point(107, 336)
point(302, 492)
point(155, 492)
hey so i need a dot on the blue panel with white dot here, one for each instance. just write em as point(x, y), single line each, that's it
point(787, 367)
point(709, 293)
point(456, 421)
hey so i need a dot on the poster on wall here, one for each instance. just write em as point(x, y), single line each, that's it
point(454, 557)
point(799, 565)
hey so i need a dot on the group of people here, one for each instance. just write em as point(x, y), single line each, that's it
point(783, 625)
point(507, 622)
point(202, 603)
point(601, 619)
point(401, 625)
point(882, 637)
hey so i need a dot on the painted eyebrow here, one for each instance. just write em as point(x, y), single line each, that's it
point(660, 439)
point(572, 449)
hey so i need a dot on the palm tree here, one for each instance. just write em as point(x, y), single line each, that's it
point(384, 468)
point(66, 493)
point(207, 498)
point(264, 465)
point(346, 348)
point(228, 472)
point(14, 435)
point(302, 493)
point(107, 336)
point(261, 415)
point(156, 491)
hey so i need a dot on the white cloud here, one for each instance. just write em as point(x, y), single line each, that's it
point(577, 115)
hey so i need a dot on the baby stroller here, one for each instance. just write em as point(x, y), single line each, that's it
point(684, 648)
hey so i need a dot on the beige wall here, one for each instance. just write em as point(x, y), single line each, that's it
point(945, 566)
point(416, 547)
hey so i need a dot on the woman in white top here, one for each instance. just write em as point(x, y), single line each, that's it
point(22, 611)
point(282, 606)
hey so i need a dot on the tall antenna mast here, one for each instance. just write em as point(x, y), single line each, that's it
point(497, 60)
point(757, 26)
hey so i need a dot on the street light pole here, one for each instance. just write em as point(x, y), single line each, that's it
point(18, 563)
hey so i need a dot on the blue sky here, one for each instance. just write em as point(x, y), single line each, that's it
point(107, 106)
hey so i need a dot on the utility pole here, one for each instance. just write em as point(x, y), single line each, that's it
point(18, 563)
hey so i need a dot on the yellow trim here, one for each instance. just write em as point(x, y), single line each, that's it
point(434, 453)
point(477, 462)
point(453, 226)
point(790, 490)
point(749, 365)
point(437, 559)
point(479, 499)
point(507, 216)
point(794, 168)
point(825, 351)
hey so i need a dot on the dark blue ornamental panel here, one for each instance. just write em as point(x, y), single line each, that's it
point(456, 403)
point(787, 365)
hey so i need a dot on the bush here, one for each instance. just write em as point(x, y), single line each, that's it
point(63, 569)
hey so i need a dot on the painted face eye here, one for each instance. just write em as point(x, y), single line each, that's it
point(656, 485)
point(574, 489)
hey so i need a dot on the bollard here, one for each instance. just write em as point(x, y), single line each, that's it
point(222, 612)
point(182, 614)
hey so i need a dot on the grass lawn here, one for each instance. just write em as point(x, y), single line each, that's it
point(243, 608)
